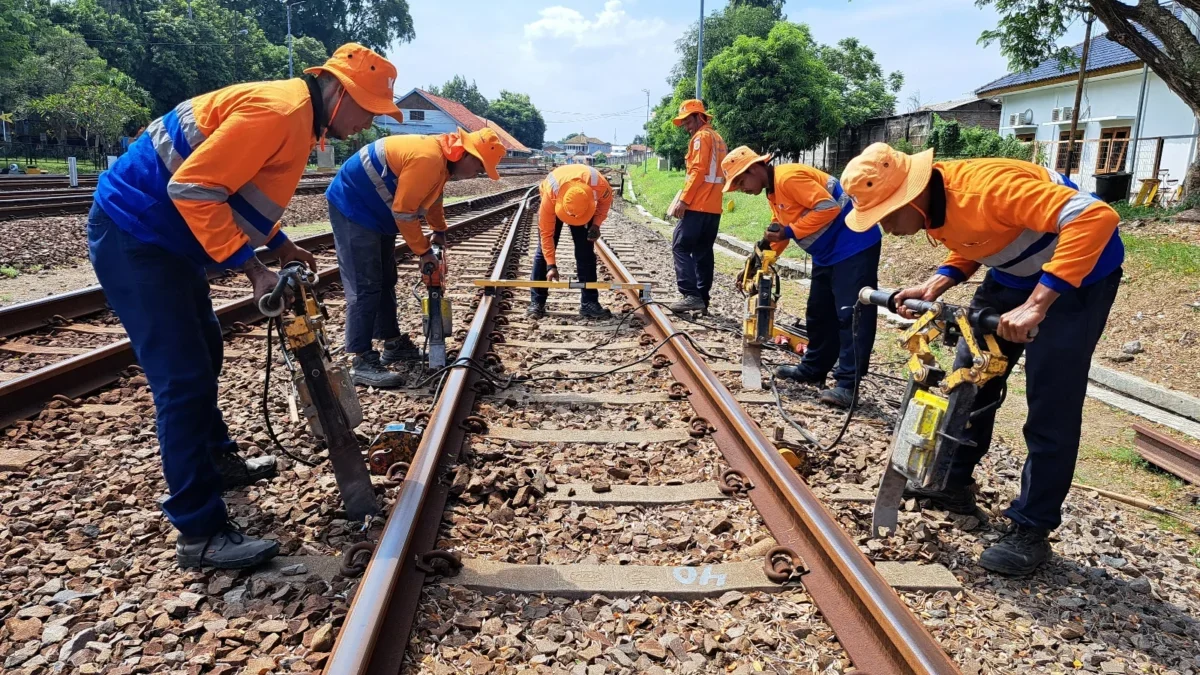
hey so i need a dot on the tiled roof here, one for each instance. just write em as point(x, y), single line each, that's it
point(580, 139)
point(1104, 54)
point(472, 122)
point(946, 106)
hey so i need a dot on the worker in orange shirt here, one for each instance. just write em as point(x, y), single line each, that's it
point(575, 195)
point(699, 208)
point(384, 189)
point(204, 186)
point(1055, 257)
point(812, 208)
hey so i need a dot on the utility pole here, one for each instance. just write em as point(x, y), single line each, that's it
point(1087, 43)
point(646, 136)
point(700, 56)
point(289, 6)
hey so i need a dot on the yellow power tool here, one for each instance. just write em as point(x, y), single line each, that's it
point(936, 409)
point(760, 283)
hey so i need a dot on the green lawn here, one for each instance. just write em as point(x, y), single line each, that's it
point(749, 217)
point(1163, 255)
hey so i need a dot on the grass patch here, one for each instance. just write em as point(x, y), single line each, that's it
point(10, 272)
point(1163, 255)
point(309, 229)
point(1129, 211)
point(1123, 455)
point(749, 218)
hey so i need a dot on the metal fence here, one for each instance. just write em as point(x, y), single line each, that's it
point(1166, 158)
point(52, 157)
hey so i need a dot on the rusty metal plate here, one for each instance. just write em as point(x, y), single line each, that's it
point(588, 435)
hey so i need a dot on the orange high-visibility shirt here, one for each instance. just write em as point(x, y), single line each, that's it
point(803, 202)
point(1020, 219)
point(419, 165)
point(550, 189)
point(702, 187)
point(249, 145)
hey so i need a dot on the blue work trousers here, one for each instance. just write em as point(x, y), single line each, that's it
point(368, 261)
point(585, 264)
point(1056, 379)
point(692, 246)
point(162, 300)
point(833, 344)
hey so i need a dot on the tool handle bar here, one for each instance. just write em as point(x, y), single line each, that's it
point(271, 305)
point(984, 318)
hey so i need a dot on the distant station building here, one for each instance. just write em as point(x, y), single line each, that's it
point(426, 114)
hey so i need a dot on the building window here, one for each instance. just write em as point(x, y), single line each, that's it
point(1060, 162)
point(416, 115)
point(1113, 144)
point(1025, 138)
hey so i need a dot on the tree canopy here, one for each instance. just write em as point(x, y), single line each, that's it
point(721, 28)
point(457, 89)
point(517, 114)
point(864, 90)
point(774, 94)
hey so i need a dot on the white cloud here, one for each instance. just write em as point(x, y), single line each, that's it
point(611, 26)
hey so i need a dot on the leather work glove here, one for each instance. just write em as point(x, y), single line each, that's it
point(438, 238)
point(593, 232)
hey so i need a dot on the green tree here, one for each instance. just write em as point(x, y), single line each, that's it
point(721, 28)
point(16, 25)
point(774, 94)
point(98, 113)
point(457, 89)
point(668, 140)
point(1028, 30)
point(601, 158)
point(949, 140)
point(378, 24)
point(865, 92)
point(517, 114)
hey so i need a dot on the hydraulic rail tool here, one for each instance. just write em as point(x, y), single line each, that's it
point(936, 409)
point(325, 391)
point(762, 287)
point(435, 309)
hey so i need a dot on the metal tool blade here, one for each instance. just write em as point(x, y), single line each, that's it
point(437, 355)
point(752, 367)
point(887, 502)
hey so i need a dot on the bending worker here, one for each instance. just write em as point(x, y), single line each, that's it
point(1055, 257)
point(205, 185)
point(387, 187)
point(578, 196)
point(698, 210)
point(812, 208)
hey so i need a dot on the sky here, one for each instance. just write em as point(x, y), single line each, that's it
point(585, 63)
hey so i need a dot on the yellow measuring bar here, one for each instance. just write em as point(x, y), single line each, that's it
point(490, 285)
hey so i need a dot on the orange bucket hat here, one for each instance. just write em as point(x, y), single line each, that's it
point(484, 144)
point(881, 180)
point(575, 204)
point(687, 108)
point(737, 161)
point(368, 78)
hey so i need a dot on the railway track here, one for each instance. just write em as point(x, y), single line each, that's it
point(492, 520)
point(71, 344)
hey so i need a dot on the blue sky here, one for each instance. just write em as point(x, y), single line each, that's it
point(585, 63)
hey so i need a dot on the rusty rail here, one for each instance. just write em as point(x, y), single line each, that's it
point(871, 622)
point(23, 396)
point(412, 525)
point(1167, 453)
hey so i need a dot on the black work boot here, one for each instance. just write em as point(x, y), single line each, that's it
point(228, 549)
point(369, 371)
point(1018, 553)
point(960, 500)
point(690, 303)
point(536, 309)
point(799, 374)
point(400, 349)
point(593, 310)
point(237, 471)
point(839, 397)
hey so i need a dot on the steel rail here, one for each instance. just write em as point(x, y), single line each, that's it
point(377, 602)
point(878, 632)
point(78, 375)
point(1167, 453)
point(44, 312)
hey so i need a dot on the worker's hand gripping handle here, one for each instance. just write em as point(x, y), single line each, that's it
point(272, 304)
point(985, 319)
point(764, 244)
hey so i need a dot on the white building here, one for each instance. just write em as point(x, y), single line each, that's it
point(1036, 106)
point(427, 114)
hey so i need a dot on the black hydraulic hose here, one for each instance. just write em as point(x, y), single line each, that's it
point(272, 323)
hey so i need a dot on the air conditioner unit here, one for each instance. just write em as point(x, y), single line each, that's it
point(1012, 120)
point(1067, 112)
point(1055, 114)
point(1025, 117)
